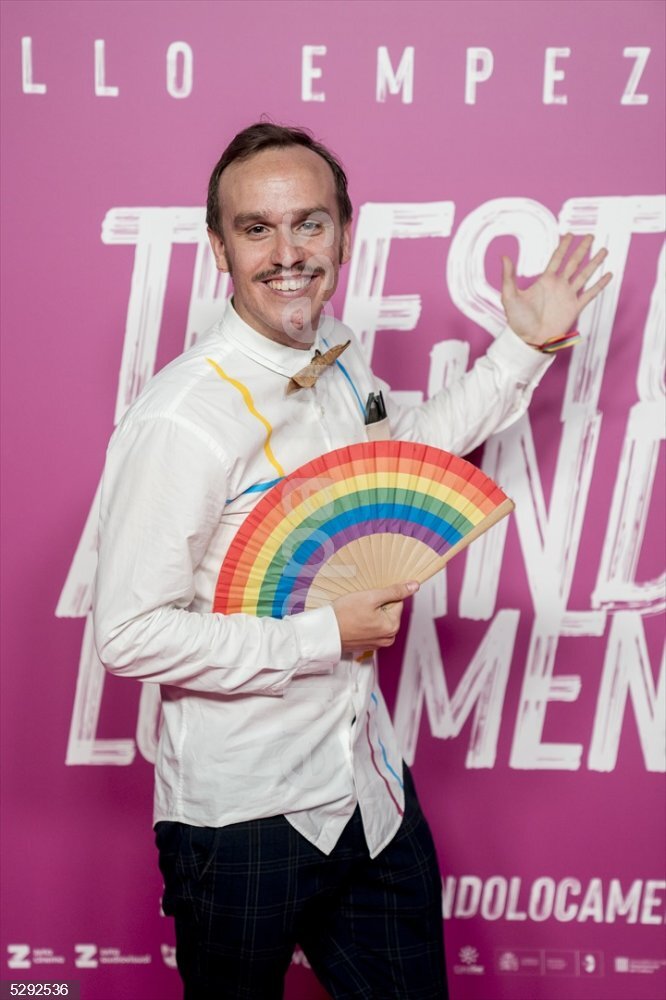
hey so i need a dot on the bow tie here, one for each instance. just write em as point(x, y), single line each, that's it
point(306, 377)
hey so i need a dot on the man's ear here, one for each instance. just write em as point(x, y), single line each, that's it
point(345, 246)
point(220, 254)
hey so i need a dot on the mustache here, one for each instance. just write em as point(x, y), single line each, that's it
point(293, 272)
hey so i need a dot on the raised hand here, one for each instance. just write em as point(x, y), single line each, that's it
point(371, 619)
point(551, 305)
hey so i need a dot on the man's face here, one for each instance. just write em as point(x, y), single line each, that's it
point(281, 241)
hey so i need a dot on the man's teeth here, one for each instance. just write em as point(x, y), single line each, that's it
point(289, 284)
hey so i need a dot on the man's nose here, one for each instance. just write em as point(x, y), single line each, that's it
point(285, 251)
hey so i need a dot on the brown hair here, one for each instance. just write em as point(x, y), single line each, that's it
point(267, 135)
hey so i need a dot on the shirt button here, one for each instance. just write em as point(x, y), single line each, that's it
point(322, 411)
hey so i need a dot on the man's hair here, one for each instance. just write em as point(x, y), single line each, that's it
point(267, 135)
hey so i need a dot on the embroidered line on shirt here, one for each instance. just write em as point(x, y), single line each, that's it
point(395, 774)
point(257, 488)
point(249, 402)
point(349, 379)
point(374, 764)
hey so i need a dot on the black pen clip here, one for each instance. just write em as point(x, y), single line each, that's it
point(375, 409)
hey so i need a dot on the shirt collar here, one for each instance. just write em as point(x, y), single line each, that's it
point(266, 352)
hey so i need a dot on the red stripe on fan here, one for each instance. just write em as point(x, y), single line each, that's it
point(426, 462)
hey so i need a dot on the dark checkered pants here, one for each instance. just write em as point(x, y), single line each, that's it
point(244, 895)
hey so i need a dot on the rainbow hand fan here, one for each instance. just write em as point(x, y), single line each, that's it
point(360, 517)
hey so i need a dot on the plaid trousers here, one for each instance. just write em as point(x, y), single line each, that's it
point(244, 895)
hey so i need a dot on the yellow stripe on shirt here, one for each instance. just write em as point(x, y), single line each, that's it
point(249, 402)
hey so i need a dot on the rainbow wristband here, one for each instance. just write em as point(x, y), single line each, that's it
point(558, 343)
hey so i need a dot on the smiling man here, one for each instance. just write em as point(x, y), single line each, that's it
point(276, 224)
point(283, 811)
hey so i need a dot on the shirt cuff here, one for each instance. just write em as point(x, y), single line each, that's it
point(318, 638)
point(510, 351)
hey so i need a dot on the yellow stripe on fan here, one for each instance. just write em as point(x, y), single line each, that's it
point(291, 518)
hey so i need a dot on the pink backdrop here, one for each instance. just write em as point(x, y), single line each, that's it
point(526, 686)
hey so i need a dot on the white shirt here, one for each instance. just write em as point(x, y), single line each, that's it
point(261, 717)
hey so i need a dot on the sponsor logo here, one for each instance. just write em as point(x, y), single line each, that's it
point(19, 956)
point(548, 962)
point(591, 963)
point(22, 956)
point(468, 955)
point(560, 963)
point(519, 961)
point(641, 966)
point(90, 956)
point(85, 956)
point(469, 958)
point(507, 961)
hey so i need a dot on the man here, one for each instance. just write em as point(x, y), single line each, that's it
point(283, 812)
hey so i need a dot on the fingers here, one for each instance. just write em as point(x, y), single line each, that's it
point(592, 293)
point(371, 619)
point(395, 593)
point(551, 305)
point(570, 272)
point(555, 261)
point(389, 623)
point(508, 277)
point(389, 602)
point(577, 257)
point(578, 279)
point(582, 277)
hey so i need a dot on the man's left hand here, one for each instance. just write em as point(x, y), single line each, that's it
point(551, 305)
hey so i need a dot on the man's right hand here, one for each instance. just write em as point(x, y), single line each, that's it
point(370, 619)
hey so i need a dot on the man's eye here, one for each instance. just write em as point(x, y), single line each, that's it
point(256, 230)
point(310, 226)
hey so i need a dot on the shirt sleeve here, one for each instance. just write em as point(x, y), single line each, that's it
point(163, 494)
point(492, 395)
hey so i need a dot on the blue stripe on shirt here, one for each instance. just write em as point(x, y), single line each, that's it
point(349, 379)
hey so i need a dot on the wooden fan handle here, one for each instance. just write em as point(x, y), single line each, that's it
point(503, 510)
